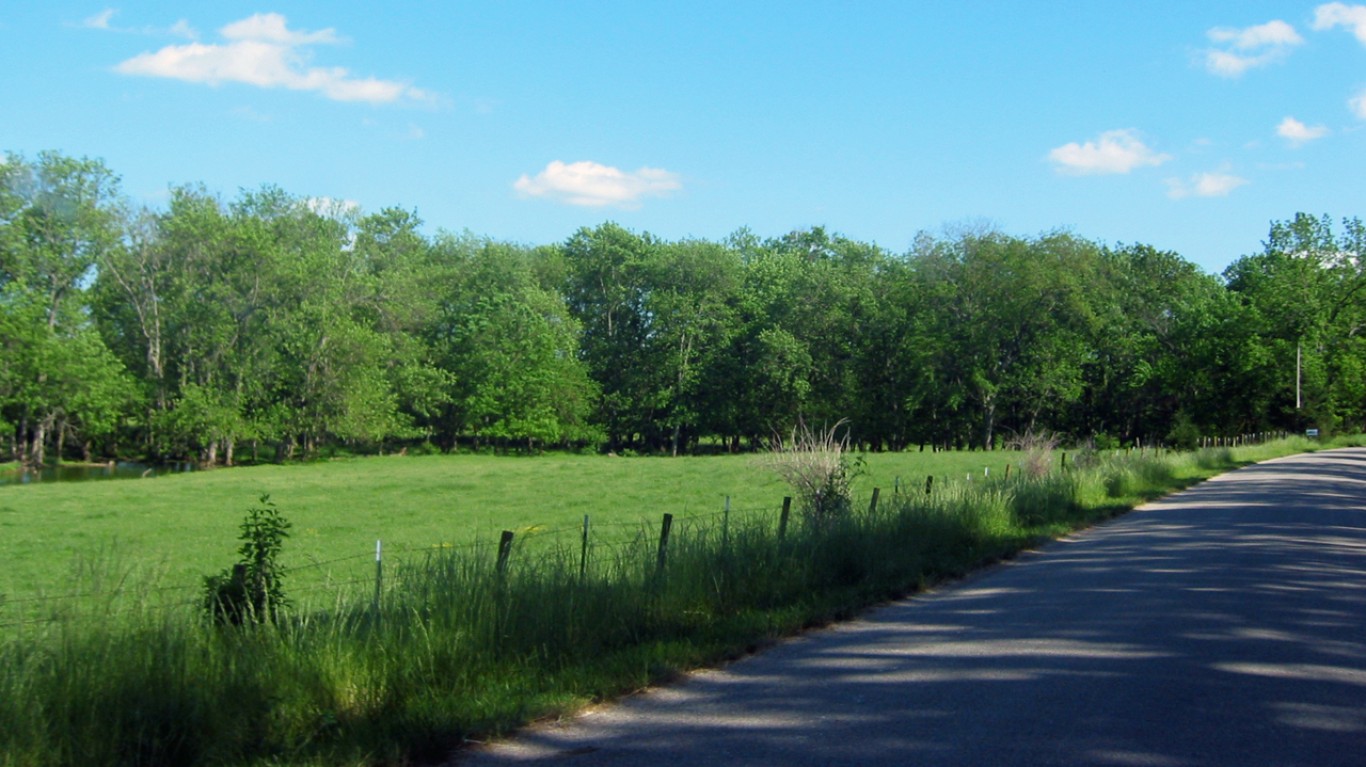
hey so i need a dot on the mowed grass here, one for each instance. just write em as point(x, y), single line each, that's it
point(168, 532)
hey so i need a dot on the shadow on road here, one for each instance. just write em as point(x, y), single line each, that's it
point(1224, 625)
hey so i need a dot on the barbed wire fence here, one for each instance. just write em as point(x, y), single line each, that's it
point(385, 568)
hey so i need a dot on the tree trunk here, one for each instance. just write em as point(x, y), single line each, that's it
point(38, 447)
point(988, 424)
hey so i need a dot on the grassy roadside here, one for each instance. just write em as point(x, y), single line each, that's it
point(460, 651)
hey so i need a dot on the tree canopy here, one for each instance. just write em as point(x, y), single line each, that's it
point(283, 325)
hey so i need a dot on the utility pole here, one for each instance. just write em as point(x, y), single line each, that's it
point(1297, 375)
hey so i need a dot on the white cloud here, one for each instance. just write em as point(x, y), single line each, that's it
point(1272, 33)
point(593, 185)
point(272, 28)
point(1358, 104)
point(183, 29)
point(1249, 47)
point(262, 51)
point(1116, 151)
point(1298, 133)
point(1204, 185)
point(100, 20)
point(104, 21)
point(1330, 15)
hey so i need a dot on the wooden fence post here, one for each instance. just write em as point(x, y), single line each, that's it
point(725, 527)
point(872, 505)
point(504, 551)
point(782, 518)
point(583, 553)
point(664, 543)
point(929, 484)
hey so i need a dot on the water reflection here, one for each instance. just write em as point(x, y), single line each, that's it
point(84, 472)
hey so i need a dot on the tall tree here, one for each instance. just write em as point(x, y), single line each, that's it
point(607, 290)
point(510, 348)
point(58, 217)
point(1306, 295)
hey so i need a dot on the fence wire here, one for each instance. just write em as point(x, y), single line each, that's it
point(534, 545)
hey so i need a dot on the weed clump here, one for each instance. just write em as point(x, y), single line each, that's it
point(816, 466)
point(1038, 448)
point(250, 591)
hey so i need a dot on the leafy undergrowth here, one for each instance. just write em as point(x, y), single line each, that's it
point(459, 650)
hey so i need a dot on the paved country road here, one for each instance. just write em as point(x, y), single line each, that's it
point(1225, 625)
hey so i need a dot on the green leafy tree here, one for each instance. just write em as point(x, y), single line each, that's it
point(58, 216)
point(1306, 299)
point(510, 348)
point(606, 290)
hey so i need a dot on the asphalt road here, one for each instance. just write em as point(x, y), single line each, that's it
point(1225, 625)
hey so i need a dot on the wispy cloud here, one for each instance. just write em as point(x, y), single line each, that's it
point(1358, 104)
point(593, 185)
point(263, 51)
point(100, 20)
point(1353, 17)
point(1249, 47)
point(104, 20)
point(1116, 151)
point(1297, 133)
point(1204, 185)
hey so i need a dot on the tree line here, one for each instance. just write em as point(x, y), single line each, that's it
point(272, 326)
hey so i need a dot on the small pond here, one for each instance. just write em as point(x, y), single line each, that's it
point(85, 472)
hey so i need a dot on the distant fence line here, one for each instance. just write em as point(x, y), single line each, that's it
point(585, 535)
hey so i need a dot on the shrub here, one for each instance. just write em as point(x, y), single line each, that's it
point(815, 465)
point(250, 590)
point(1103, 441)
point(1185, 435)
point(1038, 450)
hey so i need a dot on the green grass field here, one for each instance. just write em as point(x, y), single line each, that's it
point(170, 531)
point(457, 648)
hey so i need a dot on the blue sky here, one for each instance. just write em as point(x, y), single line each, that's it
point(1189, 126)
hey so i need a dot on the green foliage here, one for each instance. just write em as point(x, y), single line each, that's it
point(251, 590)
point(1185, 435)
point(295, 327)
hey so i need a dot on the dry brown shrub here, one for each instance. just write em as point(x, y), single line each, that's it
point(1038, 449)
point(813, 463)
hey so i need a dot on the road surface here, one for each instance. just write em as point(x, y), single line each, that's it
point(1225, 625)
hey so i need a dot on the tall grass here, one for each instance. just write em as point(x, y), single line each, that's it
point(461, 650)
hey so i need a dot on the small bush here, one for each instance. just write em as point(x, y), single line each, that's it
point(1038, 450)
point(250, 590)
point(1185, 435)
point(814, 464)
